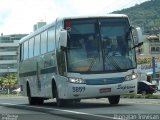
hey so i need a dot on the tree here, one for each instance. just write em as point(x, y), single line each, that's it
point(145, 15)
point(1, 81)
point(9, 81)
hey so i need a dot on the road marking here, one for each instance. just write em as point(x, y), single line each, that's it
point(61, 110)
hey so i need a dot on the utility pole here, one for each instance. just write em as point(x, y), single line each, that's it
point(154, 68)
point(154, 71)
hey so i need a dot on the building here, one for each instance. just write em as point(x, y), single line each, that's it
point(38, 25)
point(151, 45)
point(9, 50)
point(149, 49)
point(8, 53)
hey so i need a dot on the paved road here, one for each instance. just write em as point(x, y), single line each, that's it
point(90, 109)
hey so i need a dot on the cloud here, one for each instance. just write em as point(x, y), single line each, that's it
point(3, 16)
point(24, 14)
point(87, 7)
point(5, 12)
point(19, 16)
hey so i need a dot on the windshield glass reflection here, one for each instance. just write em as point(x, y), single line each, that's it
point(99, 45)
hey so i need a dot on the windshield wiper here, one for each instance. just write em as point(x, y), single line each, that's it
point(138, 45)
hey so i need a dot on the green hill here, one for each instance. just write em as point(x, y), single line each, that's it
point(145, 15)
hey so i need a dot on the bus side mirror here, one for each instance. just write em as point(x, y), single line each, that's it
point(63, 38)
point(138, 37)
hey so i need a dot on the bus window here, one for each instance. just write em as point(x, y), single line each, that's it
point(37, 45)
point(31, 43)
point(44, 42)
point(21, 52)
point(25, 50)
point(51, 39)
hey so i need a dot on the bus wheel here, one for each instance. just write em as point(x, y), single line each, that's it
point(35, 101)
point(39, 101)
point(113, 100)
point(77, 100)
point(60, 102)
point(31, 100)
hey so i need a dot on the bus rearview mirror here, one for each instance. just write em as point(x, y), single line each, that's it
point(138, 35)
point(63, 38)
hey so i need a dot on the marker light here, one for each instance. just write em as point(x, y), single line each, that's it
point(68, 24)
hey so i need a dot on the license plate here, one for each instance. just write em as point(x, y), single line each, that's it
point(105, 90)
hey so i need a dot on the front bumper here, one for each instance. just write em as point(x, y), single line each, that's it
point(82, 91)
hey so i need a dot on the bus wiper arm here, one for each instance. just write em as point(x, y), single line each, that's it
point(138, 45)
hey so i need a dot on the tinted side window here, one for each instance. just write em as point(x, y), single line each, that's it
point(44, 42)
point(31, 44)
point(51, 39)
point(37, 45)
point(25, 50)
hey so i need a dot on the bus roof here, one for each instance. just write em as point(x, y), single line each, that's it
point(72, 17)
point(99, 16)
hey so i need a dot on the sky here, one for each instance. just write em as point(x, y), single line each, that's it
point(19, 16)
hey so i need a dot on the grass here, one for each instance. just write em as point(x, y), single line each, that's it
point(147, 96)
point(6, 94)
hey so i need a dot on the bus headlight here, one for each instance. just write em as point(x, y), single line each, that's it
point(76, 80)
point(131, 77)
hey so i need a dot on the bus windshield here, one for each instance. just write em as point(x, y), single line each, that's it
point(99, 45)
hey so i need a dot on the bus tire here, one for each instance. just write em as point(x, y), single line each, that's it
point(59, 102)
point(54, 89)
point(113, 100)
point(39, 101)
point(31, 100)
point(77, 100)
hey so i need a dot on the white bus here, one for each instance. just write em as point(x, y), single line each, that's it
point(77, 58)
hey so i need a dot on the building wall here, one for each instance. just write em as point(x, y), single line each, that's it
point(150, 49)
point(8, 53)
point(151, 45)
point(146, 48)
point(38, 25)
